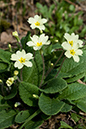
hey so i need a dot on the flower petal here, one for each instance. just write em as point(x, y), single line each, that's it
point(30, 43)
point(28, 56)
point(44, 20)
point(76, 58)
point(66, 45)
point(18, 64)
point(79, 52)
point(31, 20)
point(67, 36)
point(67, 54)
point(14, 57)
point(28, 64)
point(41, 27)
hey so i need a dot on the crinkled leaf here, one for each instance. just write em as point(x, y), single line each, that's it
point(6, 118)
point(39, 65)
point(50, 106)
point(12, 93)
point(75, 117)
point(3, 104)
point(3, 67)
point(69, 66)
point(81, 104)
point(75, 78)
point(26, 91)
point(30, 74)
point(73, 92)
point(5, 56)
point(22, 116)
point(64, 125)
point(55, 85)
point(66, 108)
point(33, 124)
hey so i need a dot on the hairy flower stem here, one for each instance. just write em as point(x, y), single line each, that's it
point(21, 75)
point(60, 67)
point(54, 64)
point(20, 44)
point(43, 70)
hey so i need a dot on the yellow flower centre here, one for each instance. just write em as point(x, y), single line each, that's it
point(72, 52)
point(37, 23)
point(71, 43)
point(22, 60)
point(39, 44)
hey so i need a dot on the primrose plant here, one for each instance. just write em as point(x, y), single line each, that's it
point(40, 78)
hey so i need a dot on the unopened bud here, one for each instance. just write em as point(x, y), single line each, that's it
point(16, 72)
point(10, 81)
point(10, 48)
point(15, 34)
point(35, 96)
point(1, 81)
point(17, 104)
point(51, 64)
point(56, 40)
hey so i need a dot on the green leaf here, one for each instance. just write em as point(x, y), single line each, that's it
point(75, 78)
point(55, 85)
point(22, 116)
point(3, 67)
point(47, 50)
point(33, 124)
point(64, 125)
point(12, 94)
point(30, 118)
point(4, 106)
point(50, 106)
point(73, 68)
point(5, 56)
point(73, 92)
point(30, 74)
point(39, 65)
point(6, 118)
point(1, 97)
point(26, 91)
point(75, 117)
point(25, 39)
point(66, 108)
point(81, 104)
point(56, 46)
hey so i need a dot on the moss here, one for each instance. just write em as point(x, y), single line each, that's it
point(4, 25)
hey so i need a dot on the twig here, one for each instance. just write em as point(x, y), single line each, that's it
point(54, 64)
point(70, 2)
point(81, 82)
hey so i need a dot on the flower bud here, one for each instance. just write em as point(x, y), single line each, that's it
point(16, 73)
point(1, 81)
point(35, 96)
point(17, 104)
point(15, 34)
point(10, 81)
